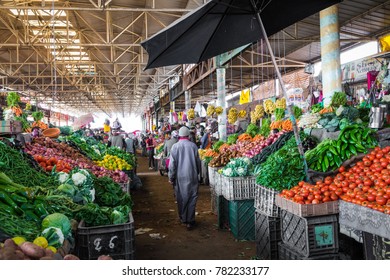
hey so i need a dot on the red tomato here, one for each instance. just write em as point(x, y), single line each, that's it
point(381, 200)
point(341, 169)
point(315, 201)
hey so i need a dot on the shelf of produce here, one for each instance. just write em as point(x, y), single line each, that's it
point(118, 241)
point(310, 236)
point(364, 219)
point(265, 201)
point(238, 188)
point(307, 210)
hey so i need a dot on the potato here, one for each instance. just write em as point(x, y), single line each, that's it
point(71, 257)
point(49, 253)
point(9, 254)
point(105, 257)
point(32, 250)
point(9, 243)
point(20, 254)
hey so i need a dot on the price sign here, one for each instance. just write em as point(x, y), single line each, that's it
point(324, 235)
point(106, 244)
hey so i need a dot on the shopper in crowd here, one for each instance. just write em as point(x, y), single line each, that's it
point(184, 168)
point(205, 141)
point(130, 145)
point(192, 136)
point(143, 146)
point(169, 143)
point(150, 145)
point(116, 140)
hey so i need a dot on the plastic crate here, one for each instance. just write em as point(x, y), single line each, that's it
point(115, 240)
point(286, 253)
point(222, 212)
point(307, 210)
point(267, 235)
point(310, 236)
point(218, 183)
point(376, 247)
point(238, 188)
point(265, 201)
point(242, 219)
point(212, 171)
point(213, 201)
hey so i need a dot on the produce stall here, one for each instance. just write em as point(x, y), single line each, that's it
point(337, 142)
point(54, 193)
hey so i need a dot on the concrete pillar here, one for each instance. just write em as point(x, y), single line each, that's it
point(187, 98)
point(330, 53)
point(221, 101)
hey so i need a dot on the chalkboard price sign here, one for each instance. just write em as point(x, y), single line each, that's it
point(106, 244)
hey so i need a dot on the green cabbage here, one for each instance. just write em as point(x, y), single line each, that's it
point(57, 220)
point(67, 189)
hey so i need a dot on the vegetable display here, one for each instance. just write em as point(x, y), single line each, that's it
point(238, 167)
point(282, 169)
point(330, 154)
point(365, 184)
point(338, 99)
point(252, 129)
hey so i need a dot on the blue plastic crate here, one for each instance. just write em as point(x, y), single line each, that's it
point(242, 219)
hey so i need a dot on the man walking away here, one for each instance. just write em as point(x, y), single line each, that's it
point(130, 145)
point(184, 168)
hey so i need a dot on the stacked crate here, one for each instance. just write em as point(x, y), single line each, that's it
point(236, 209)
point(309, 232)
point(267, 224)
point(213, 179)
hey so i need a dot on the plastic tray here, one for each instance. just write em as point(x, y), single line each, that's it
point(265, 201)
point(307, 210)
point(286, 253)
point(238, 188)
point(267, 237)
point(310, 236)
point(118, 241)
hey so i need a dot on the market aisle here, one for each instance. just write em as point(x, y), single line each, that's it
point(155, 208)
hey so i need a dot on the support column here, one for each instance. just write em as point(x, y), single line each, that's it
point(330, 53)
point(221, 101)
point(187, 98)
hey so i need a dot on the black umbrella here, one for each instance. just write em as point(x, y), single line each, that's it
point(223, 25)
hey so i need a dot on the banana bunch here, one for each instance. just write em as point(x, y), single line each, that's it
point(232, 115)
point(257, 114)
point(191, 114)
point(210, 110)
point(28, 106)
point(242, 114)
point(269, 106)
point(218, 110)
point(281, 103)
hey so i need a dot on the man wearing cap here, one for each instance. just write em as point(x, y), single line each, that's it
point(205, 141)
point(184, 168)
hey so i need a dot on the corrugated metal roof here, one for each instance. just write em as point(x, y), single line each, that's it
point(98, 63)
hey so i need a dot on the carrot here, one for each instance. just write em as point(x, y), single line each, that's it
point(244, 137)
point(287, 125)
point(258, 137)
point(326, 110)
point(276, 124)
point(223, 147)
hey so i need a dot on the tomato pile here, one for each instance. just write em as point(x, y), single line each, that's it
point(366, 184)
point(48, 164)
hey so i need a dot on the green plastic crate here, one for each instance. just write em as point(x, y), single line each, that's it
point(242, 219)
point(222, 212)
